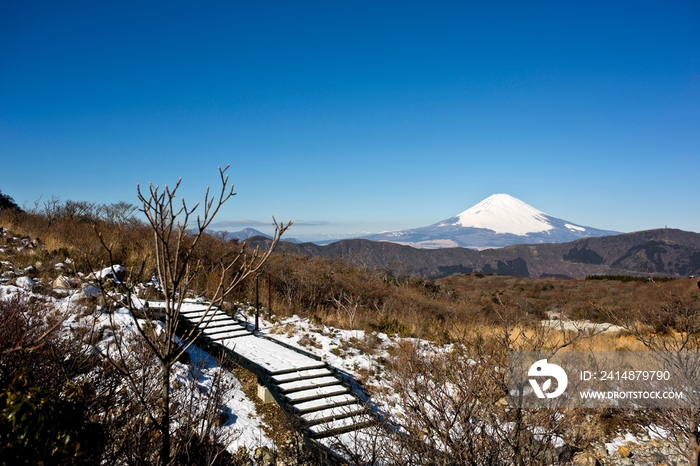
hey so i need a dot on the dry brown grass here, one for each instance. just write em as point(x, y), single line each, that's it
point(452, 307)
point(609, 341)
point(59, 237)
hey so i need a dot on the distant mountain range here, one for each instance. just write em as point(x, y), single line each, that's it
point(662, 252)
point(246, 233)
point(505, 236)
point(497, 221)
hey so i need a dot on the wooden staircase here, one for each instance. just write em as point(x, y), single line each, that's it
point(322, 402)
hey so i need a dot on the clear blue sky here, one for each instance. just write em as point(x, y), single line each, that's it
point(359, 116)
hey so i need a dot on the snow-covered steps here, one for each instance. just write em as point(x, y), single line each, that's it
point(311, 367)
point(316, 397)
point(300, 375)
point(221, 324)
point(211, 318)
point(325, 407)
point(212, 315)
point(337, 412)
point(227, 334)
point(217, 326)
point(324, 403)
point(229, 327)
point(316, 393)
point(305, 384)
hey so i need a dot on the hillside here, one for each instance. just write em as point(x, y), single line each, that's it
point(661, 252)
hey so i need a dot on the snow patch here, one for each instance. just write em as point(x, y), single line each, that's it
point(429, 244)
point(90, 290)
point(26, 283)
point(574, 227)
point(110, 272)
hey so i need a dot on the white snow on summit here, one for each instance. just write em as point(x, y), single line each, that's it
point(503, 213)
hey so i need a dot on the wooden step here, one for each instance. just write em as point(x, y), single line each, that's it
point(330, 414)
point(300, 385)
point(227, 329)
point(224, 323)
point(316, 393)
point(214, 318)
point(301, 375)
point(226, 336)
point(324, 403)
point(341, 426)
point(201, 312)
point(319, 365)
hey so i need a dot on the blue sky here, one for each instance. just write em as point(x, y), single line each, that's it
point(358, 116)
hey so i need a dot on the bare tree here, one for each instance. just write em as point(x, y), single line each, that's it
point(349, 303)
point(120, 214)
point(175, 242)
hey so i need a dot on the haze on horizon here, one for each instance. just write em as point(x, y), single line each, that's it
point(357, 118)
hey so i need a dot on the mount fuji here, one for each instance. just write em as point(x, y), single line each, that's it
point(498, 221)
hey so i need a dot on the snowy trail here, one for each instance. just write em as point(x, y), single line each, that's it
point(316, 397)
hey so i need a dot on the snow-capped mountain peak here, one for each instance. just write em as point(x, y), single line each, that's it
point(497, 221)
point(503, 213)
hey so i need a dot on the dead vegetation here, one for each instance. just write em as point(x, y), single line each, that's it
point(337, 294)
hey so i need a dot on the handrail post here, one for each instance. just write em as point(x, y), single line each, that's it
point(269, 296)
point(257, 304)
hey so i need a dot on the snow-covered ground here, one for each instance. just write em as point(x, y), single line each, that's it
point(243, 428)
point(337, 347)
point(360, 354)
point(581, 326)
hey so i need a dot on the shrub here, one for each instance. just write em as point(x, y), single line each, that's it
point(38, 427)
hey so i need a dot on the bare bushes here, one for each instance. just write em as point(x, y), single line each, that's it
point(44, 411)
point(441, 399)
point(338, 294)
point(213, 251)
point(453, 408)
point(671, 333)
point(178, 236)
point(29, 344)
point(130, 379)
point(137, 371)
point(66, 229)
point(61, 403)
